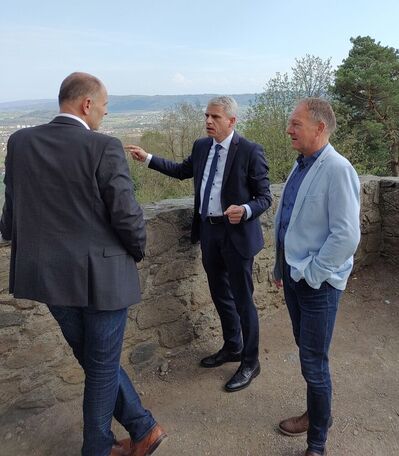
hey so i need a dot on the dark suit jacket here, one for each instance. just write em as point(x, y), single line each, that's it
point(245, 181)
point(76, 228)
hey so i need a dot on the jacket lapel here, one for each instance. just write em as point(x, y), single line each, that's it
point(230, 157)
point(304, 188)
point(203, 157)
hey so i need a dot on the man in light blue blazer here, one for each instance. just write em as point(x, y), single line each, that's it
point(317, 231)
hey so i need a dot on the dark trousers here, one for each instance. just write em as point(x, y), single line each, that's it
point(96, 340)
point(230, 283)
point(313, 315)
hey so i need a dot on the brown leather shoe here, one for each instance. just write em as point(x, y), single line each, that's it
point(297, 425)
point(149, 443)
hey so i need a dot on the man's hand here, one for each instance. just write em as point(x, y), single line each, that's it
point(136, 152)
point(235, 213)
point(278, 283)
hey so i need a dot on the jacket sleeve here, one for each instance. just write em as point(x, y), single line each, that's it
point(6, 218)
point(183, 170)
point(259, 182)
point(116, 188)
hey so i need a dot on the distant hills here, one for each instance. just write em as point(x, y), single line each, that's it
point(127, 103)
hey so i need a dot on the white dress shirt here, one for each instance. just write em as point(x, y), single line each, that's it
point(215, 204)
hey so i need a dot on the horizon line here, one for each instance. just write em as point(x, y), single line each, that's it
point(25, 100)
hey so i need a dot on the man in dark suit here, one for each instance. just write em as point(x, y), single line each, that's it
point(231, 192)
point(76, 234)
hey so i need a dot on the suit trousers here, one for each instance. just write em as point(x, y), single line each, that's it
point(230, 283)
point(96, 340)
point(313, 314)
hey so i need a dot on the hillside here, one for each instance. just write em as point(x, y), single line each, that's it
point(127, 103)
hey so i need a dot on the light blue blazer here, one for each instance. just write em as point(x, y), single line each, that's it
point(324, 230)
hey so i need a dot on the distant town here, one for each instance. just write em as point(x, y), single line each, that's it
point(122, 125)
point(125, 126)
point(128, 118)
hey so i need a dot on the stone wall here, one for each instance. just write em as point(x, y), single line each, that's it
point(390, 219)
point(37, 368)
point(371, 223)
point(379, 221)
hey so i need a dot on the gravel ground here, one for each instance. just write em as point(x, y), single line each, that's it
point(201, 419)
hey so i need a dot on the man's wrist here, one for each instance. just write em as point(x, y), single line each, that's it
point(247, 212)
point(148, 159)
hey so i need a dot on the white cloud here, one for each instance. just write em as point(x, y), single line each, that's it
point(180, 79)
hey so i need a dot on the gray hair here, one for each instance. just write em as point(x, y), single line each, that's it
point(228, 104)
point(320, 110)
point(78, 85)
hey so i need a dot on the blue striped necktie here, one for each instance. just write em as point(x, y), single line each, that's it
point(209, 182)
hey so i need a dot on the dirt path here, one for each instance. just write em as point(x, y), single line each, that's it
point(202, 419)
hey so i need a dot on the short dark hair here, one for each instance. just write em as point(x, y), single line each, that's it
point(320, 110)
point(78, 85)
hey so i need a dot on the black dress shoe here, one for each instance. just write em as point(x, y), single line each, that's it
point(221, 357)
point(242, 378)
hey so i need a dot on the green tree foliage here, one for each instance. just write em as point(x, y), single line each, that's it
point(267, 118)
point(311, 77)
point(266, 123)
point(181, 126)
point(172, 139)
point(366, 91)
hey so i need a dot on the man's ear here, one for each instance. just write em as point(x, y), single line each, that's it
point(233, 121)
point(86, 105)
point(321, 128)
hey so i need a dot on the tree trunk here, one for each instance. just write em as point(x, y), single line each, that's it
point(395, 159)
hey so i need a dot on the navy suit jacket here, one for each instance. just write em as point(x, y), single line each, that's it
point(245, 181)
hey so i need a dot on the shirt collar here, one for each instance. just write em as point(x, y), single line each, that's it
point(303, 161)
point(72, 116)
point(226, 142)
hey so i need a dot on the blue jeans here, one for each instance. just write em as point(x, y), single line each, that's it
point(96, 340)
point(313, 315)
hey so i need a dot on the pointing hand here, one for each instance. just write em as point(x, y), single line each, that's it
point(136, 152)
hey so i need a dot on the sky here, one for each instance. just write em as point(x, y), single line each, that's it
point(170, 47)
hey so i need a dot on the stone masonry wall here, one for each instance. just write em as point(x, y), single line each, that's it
point(37, 368)
point(390, 220)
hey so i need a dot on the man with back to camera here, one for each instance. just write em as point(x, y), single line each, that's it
point(231, 192)
point(316, 233)
point(76, 234)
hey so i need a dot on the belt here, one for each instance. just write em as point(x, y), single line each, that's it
point(215, 220)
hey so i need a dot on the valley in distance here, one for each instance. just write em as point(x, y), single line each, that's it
point(129, 116)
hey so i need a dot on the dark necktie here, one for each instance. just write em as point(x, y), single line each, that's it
point(209, 182)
